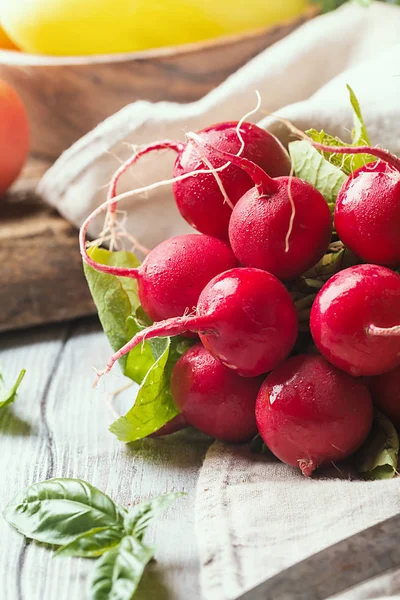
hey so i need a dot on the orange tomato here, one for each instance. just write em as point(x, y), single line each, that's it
point(14, 136)
point(5, 42)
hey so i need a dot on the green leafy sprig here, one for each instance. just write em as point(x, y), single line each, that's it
point(85, 522)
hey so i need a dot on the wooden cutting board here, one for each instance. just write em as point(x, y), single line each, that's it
point(42, 277)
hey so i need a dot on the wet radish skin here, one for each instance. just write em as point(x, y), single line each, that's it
point(259, 226)
point(367, 214)
point(175, 272)
point(253, 321)
point(344, 308)
point(213, 398)
point(310, 414)
point(199, 199)
point(385, 392)
point(176, 424)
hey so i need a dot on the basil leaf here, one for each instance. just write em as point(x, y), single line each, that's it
point(92, 543)
point(311, 166)
point(139, 517)
point(377, 458)
point(57, 510)
point(116, 298)
point(154, 405)
point(118, 572)
point(8, 396)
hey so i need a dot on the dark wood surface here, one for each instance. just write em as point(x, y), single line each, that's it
point(42, 275)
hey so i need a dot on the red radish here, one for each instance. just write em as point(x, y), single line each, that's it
point(199, 198)
point(174, 273)
point(355, 320)
point(385, 392)
point(281, 225)
point(310, 414)
point(367, 213)
point(245, 317)
point(213, 398)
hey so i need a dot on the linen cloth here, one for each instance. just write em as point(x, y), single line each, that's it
point(256, 516)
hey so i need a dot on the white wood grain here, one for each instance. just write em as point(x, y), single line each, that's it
point(59, 427)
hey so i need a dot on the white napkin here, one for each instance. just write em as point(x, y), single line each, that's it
point(256, 516)
point(305, 73)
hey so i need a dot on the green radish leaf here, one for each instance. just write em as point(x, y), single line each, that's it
point(359, 135)
point(138, 518)
point(346, 162)
point(377, 457)
point(311, 166)
point(116, 298)
point(118, 572)
point(56, 511)
point(154, 405)
point(92, 543)
point(143, 357)
point(8, 396)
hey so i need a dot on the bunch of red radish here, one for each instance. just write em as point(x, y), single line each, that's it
point(260, 229)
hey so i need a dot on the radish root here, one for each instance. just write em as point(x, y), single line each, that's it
point(293, 214)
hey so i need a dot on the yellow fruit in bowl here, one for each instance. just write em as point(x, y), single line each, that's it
point(5, 42)
point(79, 27)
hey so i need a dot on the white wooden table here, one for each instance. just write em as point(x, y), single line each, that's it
point(58, 426)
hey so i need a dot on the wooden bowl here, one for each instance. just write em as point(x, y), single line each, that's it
point(66, 97)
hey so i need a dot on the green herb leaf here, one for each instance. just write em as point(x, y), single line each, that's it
point(92, 543)
point(116, 298)
point(311, 166)
point(142, 358)
point(346, 162)
point(154, 405)
point(118, 572)
point(8, 396)
point(377, 458)
point(359, 135)
point(137, 520)
point(58, 510)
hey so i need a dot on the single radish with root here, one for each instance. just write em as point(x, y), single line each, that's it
point(385, 392)
point(206, 201)
point(281, 225)
point(310, 414)
point(213, 398)
point(245, 317)
point(355, 320)
point(205, 187)
point(174, 273)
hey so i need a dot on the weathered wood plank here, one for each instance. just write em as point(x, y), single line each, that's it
point(59, 426)
point(42, 277)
